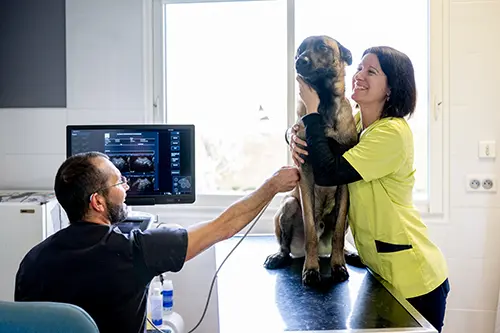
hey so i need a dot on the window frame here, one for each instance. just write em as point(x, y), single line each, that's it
point(434, 210)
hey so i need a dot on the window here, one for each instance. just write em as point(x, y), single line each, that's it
point(225, 73)
point(227, 67)
point(371, 24)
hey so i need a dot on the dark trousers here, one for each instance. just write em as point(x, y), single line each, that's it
point(432, 306)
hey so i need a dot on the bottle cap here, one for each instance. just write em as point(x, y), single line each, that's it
point(156, 292)
point(167, 284)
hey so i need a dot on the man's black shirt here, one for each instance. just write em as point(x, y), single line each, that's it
point(101, 270)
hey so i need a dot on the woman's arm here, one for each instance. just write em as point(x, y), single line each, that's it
point(379, 153)
point(329, 169)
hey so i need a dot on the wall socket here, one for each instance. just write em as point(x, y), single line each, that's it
point(481, 183)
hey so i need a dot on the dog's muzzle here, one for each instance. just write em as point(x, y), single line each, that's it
point(303, 65)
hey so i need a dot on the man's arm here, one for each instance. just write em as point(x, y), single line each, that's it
point(167, 249)
point(203, 235)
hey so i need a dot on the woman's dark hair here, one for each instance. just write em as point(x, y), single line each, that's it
point(76, 180)
point(400, 78)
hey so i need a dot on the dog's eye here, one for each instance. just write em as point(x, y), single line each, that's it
point(323, 47)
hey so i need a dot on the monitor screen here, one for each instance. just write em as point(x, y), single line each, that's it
point(158, 160)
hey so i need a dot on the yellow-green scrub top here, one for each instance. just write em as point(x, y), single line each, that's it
point(390, 236)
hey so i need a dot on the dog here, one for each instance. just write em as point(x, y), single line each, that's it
point(312, 220)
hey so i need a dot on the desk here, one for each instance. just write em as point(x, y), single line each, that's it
point(254, 299)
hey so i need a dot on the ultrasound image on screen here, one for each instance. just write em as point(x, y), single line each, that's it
point(184, 183)
point(181, 185)
point(121, 163)
point(142, 184)
point(142, 164)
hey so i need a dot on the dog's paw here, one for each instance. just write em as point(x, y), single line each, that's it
point(354, 259)
point(277, 260)
point(311, 277)
point(339, 273)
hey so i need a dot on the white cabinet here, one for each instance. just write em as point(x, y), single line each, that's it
point(26, 218)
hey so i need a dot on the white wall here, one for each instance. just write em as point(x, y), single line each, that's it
point(105, 75)
point(106, 84)
point(470, 239)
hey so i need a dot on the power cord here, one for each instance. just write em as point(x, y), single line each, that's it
point(217, 272)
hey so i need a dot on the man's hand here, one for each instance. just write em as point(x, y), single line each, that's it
point(285, 179)
point(238, 215)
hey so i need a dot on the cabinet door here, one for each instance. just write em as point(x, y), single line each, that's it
point(21, 229)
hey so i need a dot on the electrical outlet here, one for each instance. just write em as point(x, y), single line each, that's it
point(474, 183)
point(487, 184)
point(481, 183)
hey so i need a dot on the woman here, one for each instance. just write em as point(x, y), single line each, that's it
point(388, 231)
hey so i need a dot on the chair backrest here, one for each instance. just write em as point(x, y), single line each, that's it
point(44, 317)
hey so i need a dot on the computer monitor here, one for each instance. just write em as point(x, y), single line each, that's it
point(157, 159)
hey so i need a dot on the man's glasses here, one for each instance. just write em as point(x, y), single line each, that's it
point(123, 181)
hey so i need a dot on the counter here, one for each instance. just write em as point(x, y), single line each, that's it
point(254, 299)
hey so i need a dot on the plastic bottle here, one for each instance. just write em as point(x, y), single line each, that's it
point(156, 307)
point(155, 283)
point(168, 297)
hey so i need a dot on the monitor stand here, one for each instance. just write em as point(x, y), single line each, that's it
point(136, 220)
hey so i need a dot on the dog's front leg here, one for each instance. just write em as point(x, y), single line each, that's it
point(337, 259)
point(310, 271)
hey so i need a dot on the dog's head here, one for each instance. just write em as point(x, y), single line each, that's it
point(321, 59)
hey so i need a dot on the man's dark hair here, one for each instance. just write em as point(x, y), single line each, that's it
point(400, 78)
point(76, 179)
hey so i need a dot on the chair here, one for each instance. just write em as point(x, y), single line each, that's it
point(44, 317)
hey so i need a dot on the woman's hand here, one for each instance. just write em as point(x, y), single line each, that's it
point(294, 148)
point(308, 95)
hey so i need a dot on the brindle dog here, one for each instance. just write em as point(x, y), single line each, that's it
point(311, 217)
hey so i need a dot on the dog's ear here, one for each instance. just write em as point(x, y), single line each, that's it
point(345, 54)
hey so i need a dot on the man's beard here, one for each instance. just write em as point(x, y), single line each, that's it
point(116, 212)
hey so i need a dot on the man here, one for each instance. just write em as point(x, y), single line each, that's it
point(92, 265)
